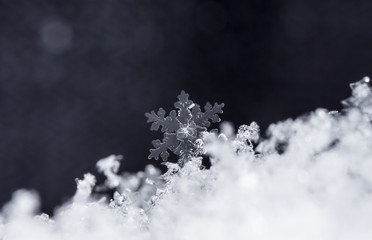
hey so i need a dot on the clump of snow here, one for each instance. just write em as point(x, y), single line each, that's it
point(361, 97)
point(309, 179)
point(84, 187)
point(109, 167)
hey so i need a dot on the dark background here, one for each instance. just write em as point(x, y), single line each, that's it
point(76, 77)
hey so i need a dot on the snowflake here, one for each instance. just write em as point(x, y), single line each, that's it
point(182, 128)
point(245, 136)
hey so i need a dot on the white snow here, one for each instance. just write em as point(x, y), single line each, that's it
point(318, 186)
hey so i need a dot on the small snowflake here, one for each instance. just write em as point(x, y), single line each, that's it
point(245, 136)
point(182, 128)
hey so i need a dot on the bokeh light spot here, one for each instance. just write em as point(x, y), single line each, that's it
point(56, 36)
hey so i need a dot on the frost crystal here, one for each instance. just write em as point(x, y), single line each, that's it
point(245, 136)
point(84, 187)
point(109, 167)
point(361, 97)
point(44, 218)
point(120, 201)
point(182, 128)
point(242, 141)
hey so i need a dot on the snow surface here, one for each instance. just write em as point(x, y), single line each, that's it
point(309, 179)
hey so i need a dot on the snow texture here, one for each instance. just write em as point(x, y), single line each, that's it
point(309, 179)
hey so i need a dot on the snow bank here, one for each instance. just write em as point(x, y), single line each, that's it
point(310, 179)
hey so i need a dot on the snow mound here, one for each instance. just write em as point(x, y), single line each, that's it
point(309, 179)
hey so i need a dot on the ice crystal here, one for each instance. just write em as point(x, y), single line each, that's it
point(84, 187)
point(120, 201)
point(182, 128)
point(361, 97)
point(44, 218)
point(141, 186)
point(109, 167)
point(245, 136)
point(136, 188)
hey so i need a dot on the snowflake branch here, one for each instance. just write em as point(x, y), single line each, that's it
point(169, 142)
point(167, 124)
point(210, 114)
point(184, 105)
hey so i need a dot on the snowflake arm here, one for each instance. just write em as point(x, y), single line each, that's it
point(183, 105)
point(196, 111)
point(169, 142)
point(185, 150)
point(167, 124)
point(210, 115)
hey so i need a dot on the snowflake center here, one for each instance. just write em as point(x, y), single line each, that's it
point(185, 132)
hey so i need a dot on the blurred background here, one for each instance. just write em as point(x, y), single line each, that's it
point(77, 76)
